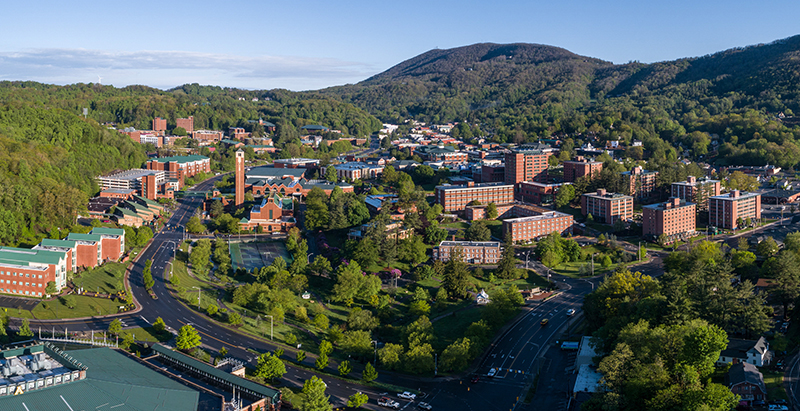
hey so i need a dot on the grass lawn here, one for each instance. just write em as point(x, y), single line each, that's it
point(572, 269)
point(495, 227)
point(459, 225)
point(452, 328)
point(774, 382)
point(84, 307)
point(107, 278)
point(147, 334)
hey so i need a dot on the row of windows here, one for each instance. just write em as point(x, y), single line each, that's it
point(14, 273)
point(8, 290)
point(14, 282)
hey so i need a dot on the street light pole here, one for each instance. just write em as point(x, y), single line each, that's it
point(592, 264)
point(198, 297)
point(271, 335)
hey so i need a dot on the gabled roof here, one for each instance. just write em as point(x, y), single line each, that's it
point(147, 201)
point(739, 348)
point(745, 372)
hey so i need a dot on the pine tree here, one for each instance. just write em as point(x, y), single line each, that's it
point(456, 274)
point(507, 266)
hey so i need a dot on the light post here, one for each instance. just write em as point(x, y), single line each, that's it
point(526, 258)
point(593, 264)
point(198, 297)
point(375, 360)
point(782, 208)
point(639, 251)
point(170, 270)
point(271, 335)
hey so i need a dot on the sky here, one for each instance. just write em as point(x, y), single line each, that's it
point(308, 45)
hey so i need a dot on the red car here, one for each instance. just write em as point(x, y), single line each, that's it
point(475, 379)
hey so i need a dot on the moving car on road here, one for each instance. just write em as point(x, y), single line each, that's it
point(475, 379)
point(571, 312)
point(407, 395)
point(388, 403)
point(544, 321)
point(492, 373)
point(425, 406)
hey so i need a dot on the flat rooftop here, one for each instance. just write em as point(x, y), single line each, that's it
point(544, 216)
point(488, 244)
point(133, 174)
point(481, 185)
point(727, 196)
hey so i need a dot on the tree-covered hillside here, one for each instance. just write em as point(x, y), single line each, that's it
point(48, 161)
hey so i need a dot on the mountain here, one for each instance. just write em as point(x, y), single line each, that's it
point(484, 81)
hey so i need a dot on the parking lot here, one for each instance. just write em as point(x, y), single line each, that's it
point(14, 302)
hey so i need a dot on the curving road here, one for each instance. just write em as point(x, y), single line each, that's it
point(515, 354)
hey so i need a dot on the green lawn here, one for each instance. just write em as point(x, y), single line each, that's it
point(459, 225)
point(147, 334)
point(774, 382)
point(452, 327)
point(84, 307)
point(107, 278)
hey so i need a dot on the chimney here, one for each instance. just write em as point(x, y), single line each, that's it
point(692, 180)
point(676, 201)
point(735, 194)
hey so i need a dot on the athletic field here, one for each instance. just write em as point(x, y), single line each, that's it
point(257, 254)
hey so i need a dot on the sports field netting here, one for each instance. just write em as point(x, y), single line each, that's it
point(257, 254)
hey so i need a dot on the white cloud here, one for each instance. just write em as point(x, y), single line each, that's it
point(166, 69)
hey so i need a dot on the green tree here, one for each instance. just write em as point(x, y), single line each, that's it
point(321, 362)
point(159, 325)
point(344, 368)
point(321, 321)
point(391, 356)
point(456, 275)
point(478, 231)
point(195, 226)
point(369, 374)
point(115, 327)
point(360, 319)
point(300, 356)
point(316, 400)
point(325, 347)
point(507, 266)
point(212, 310)
point(491, 211)
point(179, 131)
point(565, 194)
point(128, 339)
point(356, 342)
point(457, 355)
point(270, 367)
point(767, 248)
point(188, 338)
point(356, 400)
point(25, 329)
point(51, 288)
point(606, 261)
point(330, 174)
point(234, 318)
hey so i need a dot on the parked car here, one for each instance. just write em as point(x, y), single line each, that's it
point(492, 372)
point(571, 312)
point(425, 406)
point(778, 402)
point(775, 407)
point(407, 395)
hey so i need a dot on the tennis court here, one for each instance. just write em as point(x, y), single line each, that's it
point(257, 254)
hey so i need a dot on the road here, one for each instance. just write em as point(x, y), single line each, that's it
point(515, 354)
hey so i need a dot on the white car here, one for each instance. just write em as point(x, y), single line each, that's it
point(407, 395)
point(492, 372)
point(775, 407)
point(425, 406)
point(571, 312)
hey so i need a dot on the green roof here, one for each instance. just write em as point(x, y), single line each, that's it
point(148, 201)
point(262, 390)
point(108, 231)
point(49, 242)
point(113, 381)
point(126, 211)
point(84, 237)
point(181, 159)
point(28, 255)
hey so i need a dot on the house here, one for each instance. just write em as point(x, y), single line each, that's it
point(482, 298)
point(745, 380)
point(752, 352)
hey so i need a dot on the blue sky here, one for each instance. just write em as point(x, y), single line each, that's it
point(303, 45)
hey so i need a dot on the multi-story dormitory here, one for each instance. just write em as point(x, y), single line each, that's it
point(27, 271)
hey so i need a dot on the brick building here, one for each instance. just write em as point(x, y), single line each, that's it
point(473, 252)
point(186, 123)
point(493, 173)
point(112, 242)
point(207, 136)
point(675, 218)
point(456, 198)
point(730, 210)
point(159, 125)
point(696, 191)
point(358, 170)
point(525, 229)
point(89, 249)
point(744, 380)
point(607, 207)
point(152, 184)
point(273, 214)
point(537, 193)
point(180, 167)
point(525, 164)
point(237, 133)
point(510, 210)
point(641, 183)
point(580, 167)
point(239, 178)
point(444, 154)
point(69, 248)
point(26, 272)
point(295, 163)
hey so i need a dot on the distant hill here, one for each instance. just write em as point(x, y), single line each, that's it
point(482, 80)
